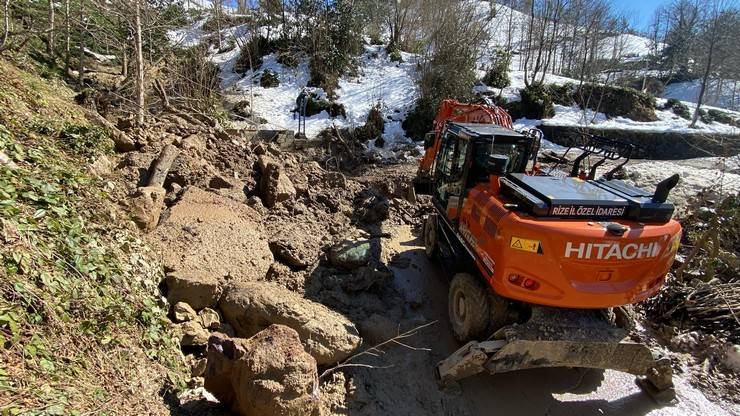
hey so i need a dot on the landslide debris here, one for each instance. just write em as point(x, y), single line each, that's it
point(327, 335)
point(267, 374)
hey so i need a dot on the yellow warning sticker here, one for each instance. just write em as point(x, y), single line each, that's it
point(525, 244)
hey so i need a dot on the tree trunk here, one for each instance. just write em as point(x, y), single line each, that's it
point(161, 166)
point(140, 93)
point(68, 37)
point(6, 23)
point(124, 60)
point(81, 49)
point(50, 45)
point(704, 80)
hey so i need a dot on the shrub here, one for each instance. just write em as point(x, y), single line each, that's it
point(420, 120)
point(288, 59)
point(194, 78)
point(251, 54)
point(316, 105)
point(269, 79)
point(561, 94)
point(680, 109)
point(374, 126)
point(394, 53)
point(723, 117)
point(536, 102)
point(497, 76)
point(617, 101)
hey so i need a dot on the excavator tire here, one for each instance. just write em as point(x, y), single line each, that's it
point(431, 238)
point(468, 307)
point(500, 311)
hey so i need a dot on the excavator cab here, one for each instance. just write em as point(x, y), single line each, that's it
point(470, 154)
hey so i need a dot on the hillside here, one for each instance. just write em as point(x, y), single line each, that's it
point(80, 319)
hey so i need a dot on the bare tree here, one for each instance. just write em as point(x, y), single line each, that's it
point(6, 23)
point(712, 40)
point(50, 44)
point(139, 53)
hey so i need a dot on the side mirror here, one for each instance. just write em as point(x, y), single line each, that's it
point(429, 140)
point(497, 165)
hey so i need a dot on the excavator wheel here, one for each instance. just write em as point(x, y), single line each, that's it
point(468, 307)
point(430, 236)
point(500, 311)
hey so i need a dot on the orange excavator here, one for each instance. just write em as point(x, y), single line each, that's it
point(544, 266)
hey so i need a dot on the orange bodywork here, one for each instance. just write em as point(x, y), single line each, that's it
point(576, 263)
point(451, 110)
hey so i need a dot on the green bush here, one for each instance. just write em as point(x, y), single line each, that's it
point(561, 94)
point(394, 53)
point(497, 76)
point(536, 102)
point(723, 117)
point(316, 105)
point(420, 120)
point(269, 79)
point(617, 101)
point(374, 126)
point(680, 109)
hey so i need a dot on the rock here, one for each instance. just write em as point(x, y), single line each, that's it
point(198, 368)
point(267, 374)
point(209, 234)
point(380, 142)
point(292, 254)
point(193, 335)
point(365, 278)
point(252, 306)
point(378, 328)
point(101, 166)
point(275, 186)
point(7, 162)
point(731, 359)
point(209, 319)
point(183, 312)
point(350, 254)
point(227, 329)
point(197, 289)
point(374, 209)
point(219, 182)
point(146, 206)
point(194, 142)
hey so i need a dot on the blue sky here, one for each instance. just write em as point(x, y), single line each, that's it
point(638, 12)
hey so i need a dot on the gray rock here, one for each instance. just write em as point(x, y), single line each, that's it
point(350, 254)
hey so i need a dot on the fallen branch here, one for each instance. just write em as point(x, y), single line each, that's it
point(122, 142)
point(376, 351)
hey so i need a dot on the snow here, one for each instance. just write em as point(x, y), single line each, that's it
point(719, 175)
point(728, 96)
point(187, 36)
point(379, 80)
point(100, 57)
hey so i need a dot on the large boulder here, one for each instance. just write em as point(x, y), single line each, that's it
point(268, 374)
point(205, 233)
point(252, 306)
